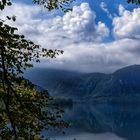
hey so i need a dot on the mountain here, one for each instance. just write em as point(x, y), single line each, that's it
point(124, 82)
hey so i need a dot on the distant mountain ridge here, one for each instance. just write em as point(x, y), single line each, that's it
point(123, 82)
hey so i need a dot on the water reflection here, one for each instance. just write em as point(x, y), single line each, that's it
point(121, 119)
point(89, 136)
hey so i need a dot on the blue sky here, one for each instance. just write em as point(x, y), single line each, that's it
point(97, 35)
point(112, 5)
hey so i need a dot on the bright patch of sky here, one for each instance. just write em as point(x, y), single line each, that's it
point(97, 35)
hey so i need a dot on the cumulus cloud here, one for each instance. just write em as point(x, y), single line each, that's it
point(80, 37)
point(79, 24)
point(127, 24)
point(103, 6)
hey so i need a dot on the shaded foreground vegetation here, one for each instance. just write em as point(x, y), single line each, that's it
point(24, 111)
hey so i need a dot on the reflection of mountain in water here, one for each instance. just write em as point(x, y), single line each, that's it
point(88, 136)
point(121, 119)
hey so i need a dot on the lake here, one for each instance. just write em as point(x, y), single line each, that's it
point(101, 121)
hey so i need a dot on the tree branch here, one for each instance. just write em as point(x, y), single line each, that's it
point(6, 100)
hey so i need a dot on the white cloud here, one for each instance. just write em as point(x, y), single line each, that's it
point(80, 37)
point(80, 23)
point(103, 6)
point(127, 24)
point(101, 57)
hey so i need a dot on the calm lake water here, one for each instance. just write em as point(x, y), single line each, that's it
point(102, 121)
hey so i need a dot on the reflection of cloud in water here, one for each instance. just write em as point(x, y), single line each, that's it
point(89, 136)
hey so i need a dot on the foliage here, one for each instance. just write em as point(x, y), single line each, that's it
point(24, 111)
point(31, 112)
point(64, 5)
point(134, 1)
